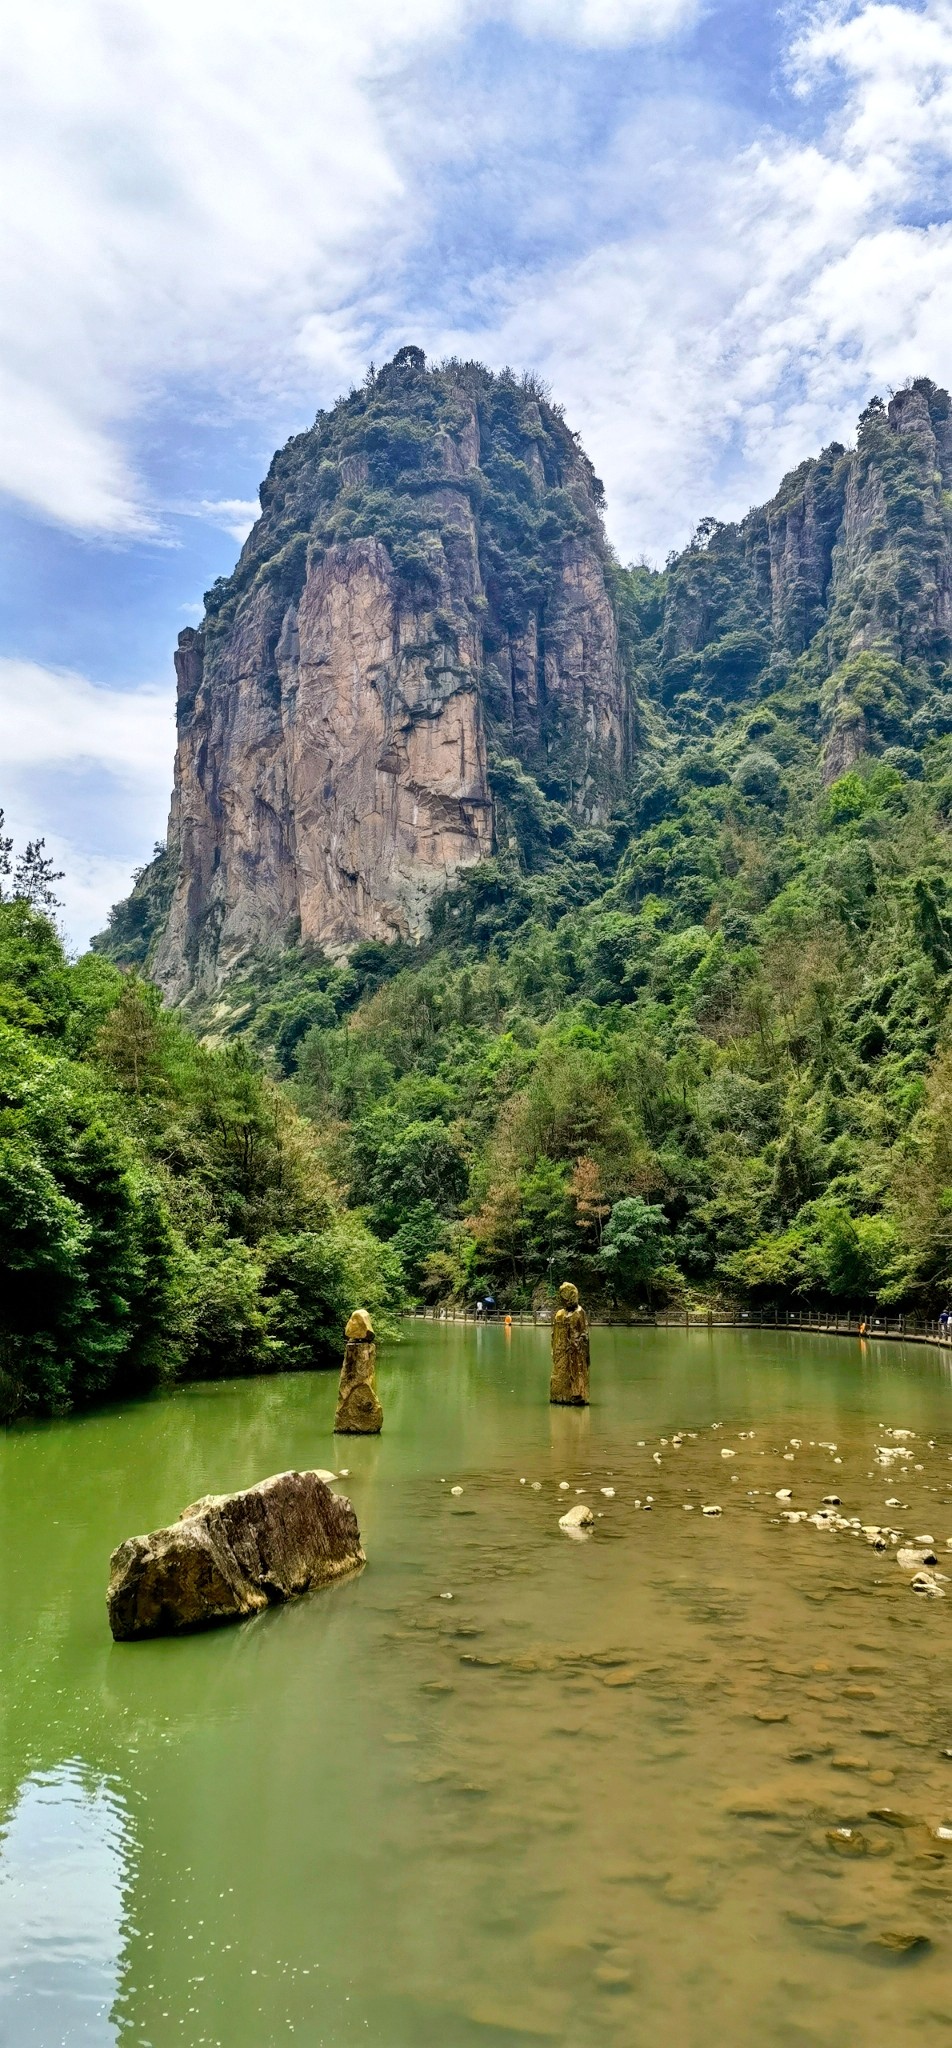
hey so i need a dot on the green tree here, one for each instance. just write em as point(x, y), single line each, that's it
point(636, 1252)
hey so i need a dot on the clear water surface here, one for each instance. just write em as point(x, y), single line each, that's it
point(685, 1781)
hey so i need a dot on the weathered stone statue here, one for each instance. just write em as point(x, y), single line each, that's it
point(358, 1410)
point(569, 1383)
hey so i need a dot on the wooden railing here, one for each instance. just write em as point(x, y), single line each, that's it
point(854, 1323)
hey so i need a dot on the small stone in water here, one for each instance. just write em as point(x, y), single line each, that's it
point(563, 1486)
point(608, 1491)
point(891, 1943)
point(345, 1471)
point(446, 1596)
point(536, 1486)
point(456, 1489)
point(831, 1500)
point(725, 1453)
point(784, 1493)
point(846, 1841)
point(710, 1511)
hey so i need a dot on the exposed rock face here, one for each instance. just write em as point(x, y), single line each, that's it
point(426, 590)
point(418, 660)
point(358, 1410)
point(230, 1555)
point(570, 1360)
point(850, 564)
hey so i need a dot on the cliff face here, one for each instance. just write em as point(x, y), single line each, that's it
point(426, 656)
point(844, 579)
point(423, 598)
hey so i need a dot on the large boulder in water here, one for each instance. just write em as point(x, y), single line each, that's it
point(232, 1554)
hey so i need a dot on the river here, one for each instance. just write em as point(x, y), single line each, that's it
point(686, 1780)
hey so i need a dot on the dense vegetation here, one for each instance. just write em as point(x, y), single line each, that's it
point(727, 1070)
point(703, 1050)
point(164, 1210)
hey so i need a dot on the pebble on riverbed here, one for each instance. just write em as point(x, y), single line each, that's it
point(578, 1518)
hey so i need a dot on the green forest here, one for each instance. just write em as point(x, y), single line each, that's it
point(165, 1211)
point(698, 1052)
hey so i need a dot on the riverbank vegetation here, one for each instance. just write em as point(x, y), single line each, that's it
point(165, 1211)
point(714, 1062)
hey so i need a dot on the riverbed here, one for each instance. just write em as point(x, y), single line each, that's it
point(685, 1780)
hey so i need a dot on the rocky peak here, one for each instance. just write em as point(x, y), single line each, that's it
point(424, 596)
point(847, 571)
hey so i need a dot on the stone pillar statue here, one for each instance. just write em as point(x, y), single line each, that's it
point(569, 1383)
point(358, 1410)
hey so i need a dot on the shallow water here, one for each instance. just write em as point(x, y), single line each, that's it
point(676, 1782)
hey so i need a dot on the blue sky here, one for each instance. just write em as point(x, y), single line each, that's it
point(714, 228)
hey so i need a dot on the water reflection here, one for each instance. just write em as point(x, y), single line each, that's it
point(62, 1880)
point(500, 1788)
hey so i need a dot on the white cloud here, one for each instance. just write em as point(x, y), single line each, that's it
point(232, 515)
point(594, 22)
point(208, 191)
point(89, 769)
point(774, 289)
point(54, 718)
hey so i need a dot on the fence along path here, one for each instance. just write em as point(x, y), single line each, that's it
point(856, 1323)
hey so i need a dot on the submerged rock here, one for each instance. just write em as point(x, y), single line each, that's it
point(911, 1557)
point(231, 1555)
point(579, 1517)
point(358, 1410)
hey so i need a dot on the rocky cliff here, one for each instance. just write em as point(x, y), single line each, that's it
point(427, 656)
point(842, 582)
point(421, 611)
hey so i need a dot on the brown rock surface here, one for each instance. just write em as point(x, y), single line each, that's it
point(570, 1359)
point(337, 710)
point(231, 1555)
point(358, 1410)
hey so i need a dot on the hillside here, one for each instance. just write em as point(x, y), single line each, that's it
point(681, 1019)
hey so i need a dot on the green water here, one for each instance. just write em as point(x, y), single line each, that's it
point(593, 1798)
